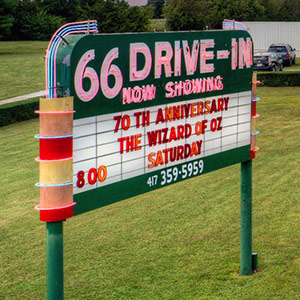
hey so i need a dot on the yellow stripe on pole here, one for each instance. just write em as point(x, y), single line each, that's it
point(56, 104)
point(56, 172)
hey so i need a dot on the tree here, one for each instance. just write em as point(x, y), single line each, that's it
point(62, 8)
point(196, 14)
point(117, 16)
point(186, 14)
point(293, 9)
point(240, 10)
point(32, 22)
point(157, 7)
point(7, 11)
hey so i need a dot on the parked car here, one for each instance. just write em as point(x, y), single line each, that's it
point(267, 62)
point(285, 51)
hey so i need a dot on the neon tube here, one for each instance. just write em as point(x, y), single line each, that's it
point(52, 54)
point(59, 35)
point(62, 32)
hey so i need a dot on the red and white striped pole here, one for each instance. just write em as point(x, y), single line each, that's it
point(56, 183)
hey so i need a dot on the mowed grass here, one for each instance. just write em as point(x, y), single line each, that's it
point(157, 25)
point(180, 242)
point(295, 67)
point(30, 77)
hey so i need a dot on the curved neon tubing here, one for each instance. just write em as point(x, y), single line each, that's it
point(53, 51)
point(54, 208)
point(61, 32)
point(255, 133)
point(37, 136)
point(54, 160)
point(38, 184)
point(231, 24)
point(50, 65)
point(54, 112)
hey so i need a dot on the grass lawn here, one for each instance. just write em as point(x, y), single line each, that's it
point(16, 81)
point(295, 67)
point(157, 25)
point(180, 242)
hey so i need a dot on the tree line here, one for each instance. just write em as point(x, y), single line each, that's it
point(39, 19)
point(200, 14)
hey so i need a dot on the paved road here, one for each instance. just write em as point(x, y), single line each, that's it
point(24, 97)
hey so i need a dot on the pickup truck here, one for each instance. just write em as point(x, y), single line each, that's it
point(285, 51)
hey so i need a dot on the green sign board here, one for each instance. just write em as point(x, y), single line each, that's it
point(154, 109)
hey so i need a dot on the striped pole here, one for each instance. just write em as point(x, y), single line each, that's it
point(254, 116)
point(56, 183)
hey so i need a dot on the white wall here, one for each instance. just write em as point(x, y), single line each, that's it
point(137, 2)
point(266, 33)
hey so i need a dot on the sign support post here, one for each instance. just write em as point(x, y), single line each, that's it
point(55, 273)
point(249, 260)
point(246, 217)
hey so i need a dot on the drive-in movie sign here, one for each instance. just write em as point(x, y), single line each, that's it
point(154, 109)
point(127, 114)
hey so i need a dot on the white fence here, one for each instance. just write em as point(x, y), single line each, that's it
point(266, 33)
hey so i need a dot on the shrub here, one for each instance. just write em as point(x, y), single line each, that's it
point(22, 111)
point(279, 78)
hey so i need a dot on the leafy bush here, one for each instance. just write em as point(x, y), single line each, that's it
point(117, 16)
point(34, 23)
point(7, 9)
point(185, 15)
point(38, 20)
point(13, 113)
point(196, 14)
point(279, 78)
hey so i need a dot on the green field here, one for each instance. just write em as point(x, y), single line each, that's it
point(180, 242)
point(295, 67)
point(22, 68)
point(157, 25)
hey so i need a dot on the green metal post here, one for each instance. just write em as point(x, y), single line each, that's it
point(246, 217)
point(55, 273)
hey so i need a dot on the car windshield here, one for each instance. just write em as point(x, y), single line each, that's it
point(277, 49)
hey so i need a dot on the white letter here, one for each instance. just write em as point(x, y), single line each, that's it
point(245, 53)
point(169, 88)
point(177, 59)
point(82, 71)
point(134, 74)
point(205, 55)
point(108, 69)
point(190, 60)
point(234, 50)
point(160, 60)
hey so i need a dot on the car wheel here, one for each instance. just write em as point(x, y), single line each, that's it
point(273, 68)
